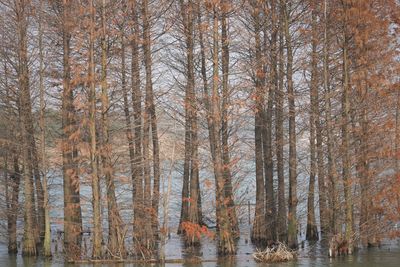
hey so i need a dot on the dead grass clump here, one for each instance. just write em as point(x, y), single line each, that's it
point(276, 253)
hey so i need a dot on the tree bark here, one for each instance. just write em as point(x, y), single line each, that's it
point(346, 164)
point(226, 243)
point(138, 174)
point(292, 217)
point(97, 228)
point(147, 129)
point(258, 233)
point(312, 231)
point(46, 208)
point(224, 118)
point(279, 136)
point(115, 232)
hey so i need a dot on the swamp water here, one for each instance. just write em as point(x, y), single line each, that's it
point(388, 255)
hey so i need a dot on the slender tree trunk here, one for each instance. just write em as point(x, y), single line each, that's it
point(47, 233)
point(128, 130)
point(224, 118)
point(258, 234)
point(12, 214)
point(331, 158)
point(226, 243)
point(192, 105)
point(147, 118)
point(279, 136)
point(292, 217)
point(138, 174)
point(115, 231)
point(190, 206)
point(346, 164)
point(97, 228)
point(72, 208)
point(24, 107)
point(270, 222)
point(312, 231)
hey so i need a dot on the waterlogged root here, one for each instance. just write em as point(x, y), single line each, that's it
point(276, 253)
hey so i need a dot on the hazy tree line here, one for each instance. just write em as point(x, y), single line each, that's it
point(315, 82)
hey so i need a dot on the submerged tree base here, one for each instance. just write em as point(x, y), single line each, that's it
point(277, 253)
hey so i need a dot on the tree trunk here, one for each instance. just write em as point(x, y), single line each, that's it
point(115, 231)
point(279, 136)
point(224, 119)
point(331, 158)
point(147, 126)
point(292, 217)
point(190, 191)
point(312, 231)
point(270, 205)
point(12, 213)
point(226, 243)
point(72, 208)
point(47, 233)
point(346, 164)
point(24, 108)
point(138, 174)
point(97, 228)
point(258, 233)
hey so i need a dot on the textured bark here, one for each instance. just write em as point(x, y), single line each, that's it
point(270, 205)
point(322, 191)
point(116, 244)
point(149, 122)
point(292, 219)
point(279, 135)
point(97, 228)
point(72, 208)
point(258, 233)
point(190, 191)
point(138, 174)
point(25, 113)
point(331, 157)
point(47, 233)
point(346, 163)
point(312, 231)
point(12, 212)
point(226, 243)
point(224, 118)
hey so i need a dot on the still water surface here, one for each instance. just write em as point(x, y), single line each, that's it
point(388, 255)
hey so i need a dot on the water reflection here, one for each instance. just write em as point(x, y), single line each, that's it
point(313, 254)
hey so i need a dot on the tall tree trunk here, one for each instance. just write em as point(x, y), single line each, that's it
point(270, 205)
point(279, 136)
point(312, 231)
point(12, 213)
point(292, 217)
point(226, 243)
point(72, 208)
point(258, 234)
point(97, 228)
point(331, 158)
point(224, 118)
point(24, 107)
point(346, 164)
point(24, 102)
point(47, 233)
point(115, 231)
point(191, 165)
point(138, 174)
point(147, 126)
point(323, 211)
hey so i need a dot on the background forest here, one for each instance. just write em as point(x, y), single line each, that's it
point(130, 119)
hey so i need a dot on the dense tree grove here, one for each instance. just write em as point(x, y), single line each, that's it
point(291, 106)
